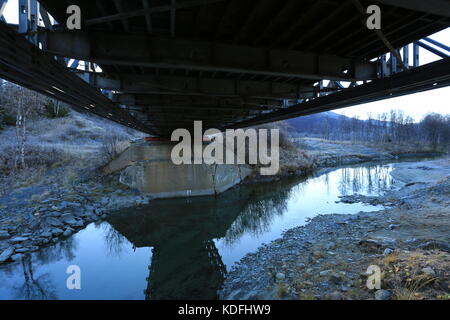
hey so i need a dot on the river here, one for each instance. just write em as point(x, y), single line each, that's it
point(183, 248)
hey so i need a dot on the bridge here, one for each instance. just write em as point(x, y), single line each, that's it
point(158, 65)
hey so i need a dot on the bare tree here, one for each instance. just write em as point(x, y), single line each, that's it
point(26, 100)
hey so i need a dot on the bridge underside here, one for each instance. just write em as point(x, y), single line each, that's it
point(230, 63)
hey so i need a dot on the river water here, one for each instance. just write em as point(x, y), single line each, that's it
point(183, 248)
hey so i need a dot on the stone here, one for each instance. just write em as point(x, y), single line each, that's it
point(336, 295)
point(68, 232)
point(325, 273)
point(34, 224)
point(46, 234)
point(330, 245)
point(333, 276)
point(6, 254)
point(54, 214)
point(79, 224)
point(17, 257)
point(4, 235)
point(387, 251)
point(19, 239)
point(280, 276)
point(434, 245)
point(74, 204)
point(375, 245)
point(88, 215)
point(429, 271)
point(383, 295)
point(54, 222)
point(69, 220)
point(63, 204)
point(57, 231)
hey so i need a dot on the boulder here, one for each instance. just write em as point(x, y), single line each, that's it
point(383, 295)
point(19, 239)
point(4, 235)
point(6, 254)
point(429, 271)
point(57, 231)
point(280, 276)
point(54, 222)
point(68, 232)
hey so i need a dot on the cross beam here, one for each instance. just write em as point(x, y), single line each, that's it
point(179, 85)
point(149, 10)
point(173, 53)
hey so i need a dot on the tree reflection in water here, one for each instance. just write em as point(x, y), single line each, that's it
point(185, 262)
point(115, 242)
point(369, 179)
point(40, 288)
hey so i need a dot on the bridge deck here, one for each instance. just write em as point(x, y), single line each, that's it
point(233, 62)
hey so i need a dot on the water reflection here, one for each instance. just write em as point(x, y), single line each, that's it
point(193, 242)
point(371, 179)
point(185, 260)
point(40, 288)
point(32, 285)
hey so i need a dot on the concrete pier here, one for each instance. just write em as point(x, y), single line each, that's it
point(147, 167)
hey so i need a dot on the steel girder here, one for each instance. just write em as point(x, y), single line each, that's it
point(25, 64)
point(186, 54)
point(431, 76)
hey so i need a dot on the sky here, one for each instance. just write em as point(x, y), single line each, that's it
point(416, 105)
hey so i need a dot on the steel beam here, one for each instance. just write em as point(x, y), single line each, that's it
point(431, 76)
point(150, 10)
point(178, 85)
point(433, 50)
point(2, 8)
point(438, 44)
point(23, 63)
point(200, 101)
point(173, 53)
point(436, 7)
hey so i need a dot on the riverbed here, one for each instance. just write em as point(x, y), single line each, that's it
point(183, 248)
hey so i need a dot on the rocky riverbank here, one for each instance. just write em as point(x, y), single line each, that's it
point(33, 217)
point(329, 257)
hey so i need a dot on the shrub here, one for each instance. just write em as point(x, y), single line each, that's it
point(6, 119)
point(112, 146)
point(54, 109)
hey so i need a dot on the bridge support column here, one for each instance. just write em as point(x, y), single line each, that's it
point(147, 167)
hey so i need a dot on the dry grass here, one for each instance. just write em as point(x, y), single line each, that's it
point(282, 290)
point(74, 145)
point(403, 274)
point(390, 259)
point(38, 161)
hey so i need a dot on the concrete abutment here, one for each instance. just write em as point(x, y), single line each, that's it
point(147, 167)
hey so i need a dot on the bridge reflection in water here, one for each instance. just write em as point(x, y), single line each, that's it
point(186, 263)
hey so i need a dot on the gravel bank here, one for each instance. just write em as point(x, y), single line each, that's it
point(328, 258)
